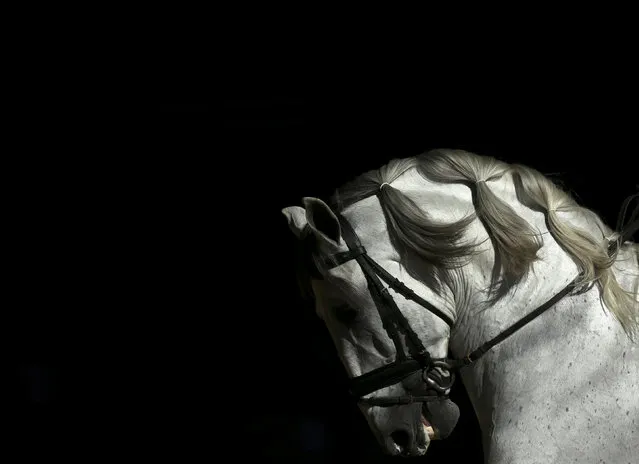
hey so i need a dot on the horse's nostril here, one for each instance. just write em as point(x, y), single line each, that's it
point(401, 438)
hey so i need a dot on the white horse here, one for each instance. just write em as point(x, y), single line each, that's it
point(485, 243)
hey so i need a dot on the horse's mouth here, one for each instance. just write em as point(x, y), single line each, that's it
point(429, 430)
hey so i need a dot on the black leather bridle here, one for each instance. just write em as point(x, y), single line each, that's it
point(419, 359)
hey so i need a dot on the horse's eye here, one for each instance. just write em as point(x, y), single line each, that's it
point(345, 314)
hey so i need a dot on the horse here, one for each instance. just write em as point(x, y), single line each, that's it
point(441, 253)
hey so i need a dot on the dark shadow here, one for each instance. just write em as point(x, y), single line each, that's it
point(183, 108)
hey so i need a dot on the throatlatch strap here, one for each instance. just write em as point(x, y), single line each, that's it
point(479, 352)
point(625, 234)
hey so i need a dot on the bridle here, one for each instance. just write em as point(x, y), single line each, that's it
point(418, 358)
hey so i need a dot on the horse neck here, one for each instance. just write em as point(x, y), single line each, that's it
point(570, 343)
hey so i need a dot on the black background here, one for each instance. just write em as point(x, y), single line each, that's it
point(104, 232)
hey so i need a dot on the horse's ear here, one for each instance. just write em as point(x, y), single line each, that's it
point(322, 219)
point(296, 217)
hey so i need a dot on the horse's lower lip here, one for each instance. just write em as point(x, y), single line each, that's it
point(428, 429)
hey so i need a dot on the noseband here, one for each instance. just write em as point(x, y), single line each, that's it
point(418, 358)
